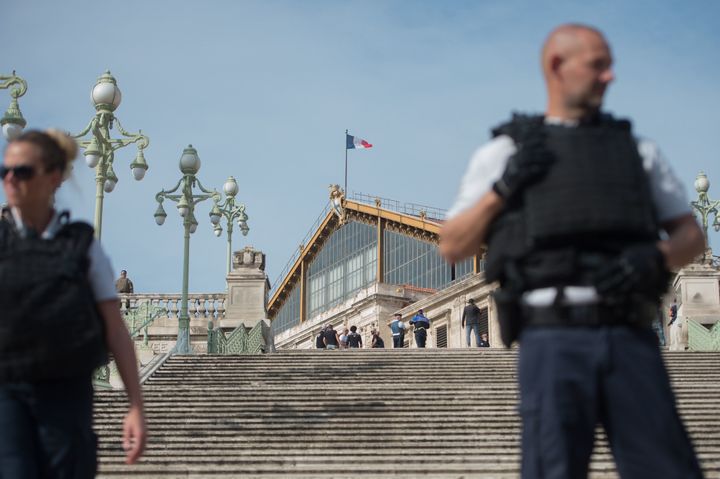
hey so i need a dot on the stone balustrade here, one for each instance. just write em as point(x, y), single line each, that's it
point(200, 305)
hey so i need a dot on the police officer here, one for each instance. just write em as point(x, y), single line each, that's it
point(60, 316)
point(571, 204)
point(397, 328)
point(421, 324)
point(124, 284)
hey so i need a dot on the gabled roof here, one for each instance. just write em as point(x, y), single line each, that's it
point(419, 227)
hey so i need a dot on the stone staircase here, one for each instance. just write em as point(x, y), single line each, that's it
point(359, 413)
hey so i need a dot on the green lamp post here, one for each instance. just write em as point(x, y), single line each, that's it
point(231, 211)
point(99, 150)
point(705, 207)
point(12, 121)
point(186, 201)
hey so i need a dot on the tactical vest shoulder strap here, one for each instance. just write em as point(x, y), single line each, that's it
point(519, 127)
point(609, 121)
point(7, 228)
point(82, 235)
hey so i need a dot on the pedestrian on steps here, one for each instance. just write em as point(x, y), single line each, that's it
point(354, 338)
point(471, 322)
point(343, 338)
point(377, 341)
point(320, 339)
point(332, 341)
point(60, 318)
point(675, 325)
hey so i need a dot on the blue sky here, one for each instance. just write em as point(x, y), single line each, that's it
point(265, 90)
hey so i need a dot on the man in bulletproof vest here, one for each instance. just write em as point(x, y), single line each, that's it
point(397, 328)
point(571, 205)
point(123, 283)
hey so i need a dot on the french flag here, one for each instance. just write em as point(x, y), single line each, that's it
point(352, 142)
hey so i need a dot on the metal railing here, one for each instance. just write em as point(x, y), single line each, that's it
point(412, 209)
point(298, 250)
point(139, 318)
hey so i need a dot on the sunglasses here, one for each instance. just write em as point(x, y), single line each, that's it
point(22, 172)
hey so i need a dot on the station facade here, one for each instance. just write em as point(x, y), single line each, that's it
point(367, 259)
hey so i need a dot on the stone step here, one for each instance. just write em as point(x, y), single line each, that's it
point(359, 413)
point(415, 467)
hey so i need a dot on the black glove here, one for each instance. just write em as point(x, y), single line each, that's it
point(529, 164)
point(639, 269)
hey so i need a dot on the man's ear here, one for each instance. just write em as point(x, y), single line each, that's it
point(555, 62)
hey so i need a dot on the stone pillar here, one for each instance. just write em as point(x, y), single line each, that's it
point(248, 288)
point(698, 296)
point(493, 325)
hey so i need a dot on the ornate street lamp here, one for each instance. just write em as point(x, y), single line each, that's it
point(231, 211)
point(13, 122)
point(100, 148)
point(186, 201)
point(705, 207)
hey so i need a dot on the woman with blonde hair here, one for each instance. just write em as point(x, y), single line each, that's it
point(59, 319)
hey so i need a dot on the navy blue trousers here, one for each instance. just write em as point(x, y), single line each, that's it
point(46, 430)
point(420, 338)
point(571, 379)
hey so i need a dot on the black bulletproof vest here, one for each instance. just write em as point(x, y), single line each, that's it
point(596, 185)
point(593, 202)
point(49, 326)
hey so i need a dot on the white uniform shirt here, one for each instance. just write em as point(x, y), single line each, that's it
point(488, 164)
point(100, 272)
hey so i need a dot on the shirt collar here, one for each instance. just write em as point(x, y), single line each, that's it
point(50, 231)
point(555, 120)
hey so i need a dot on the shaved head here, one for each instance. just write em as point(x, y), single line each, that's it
point(566, 40)
point(576, 63)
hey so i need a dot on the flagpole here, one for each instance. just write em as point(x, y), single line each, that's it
point(346, 135)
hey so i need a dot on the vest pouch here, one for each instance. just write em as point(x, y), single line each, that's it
point(506, 242)
point(510, 315)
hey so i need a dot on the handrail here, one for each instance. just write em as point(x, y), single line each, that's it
point(413, 209)
point(151, 314)
point(154, 364)
point(298, 250)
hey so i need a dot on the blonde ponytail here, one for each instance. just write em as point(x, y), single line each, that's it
point(67, 144)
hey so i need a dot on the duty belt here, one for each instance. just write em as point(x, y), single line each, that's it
point(638, 314)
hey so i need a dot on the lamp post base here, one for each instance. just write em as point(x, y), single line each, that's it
point(182, 346)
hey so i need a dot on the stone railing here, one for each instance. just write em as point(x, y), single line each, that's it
point(200, 305)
